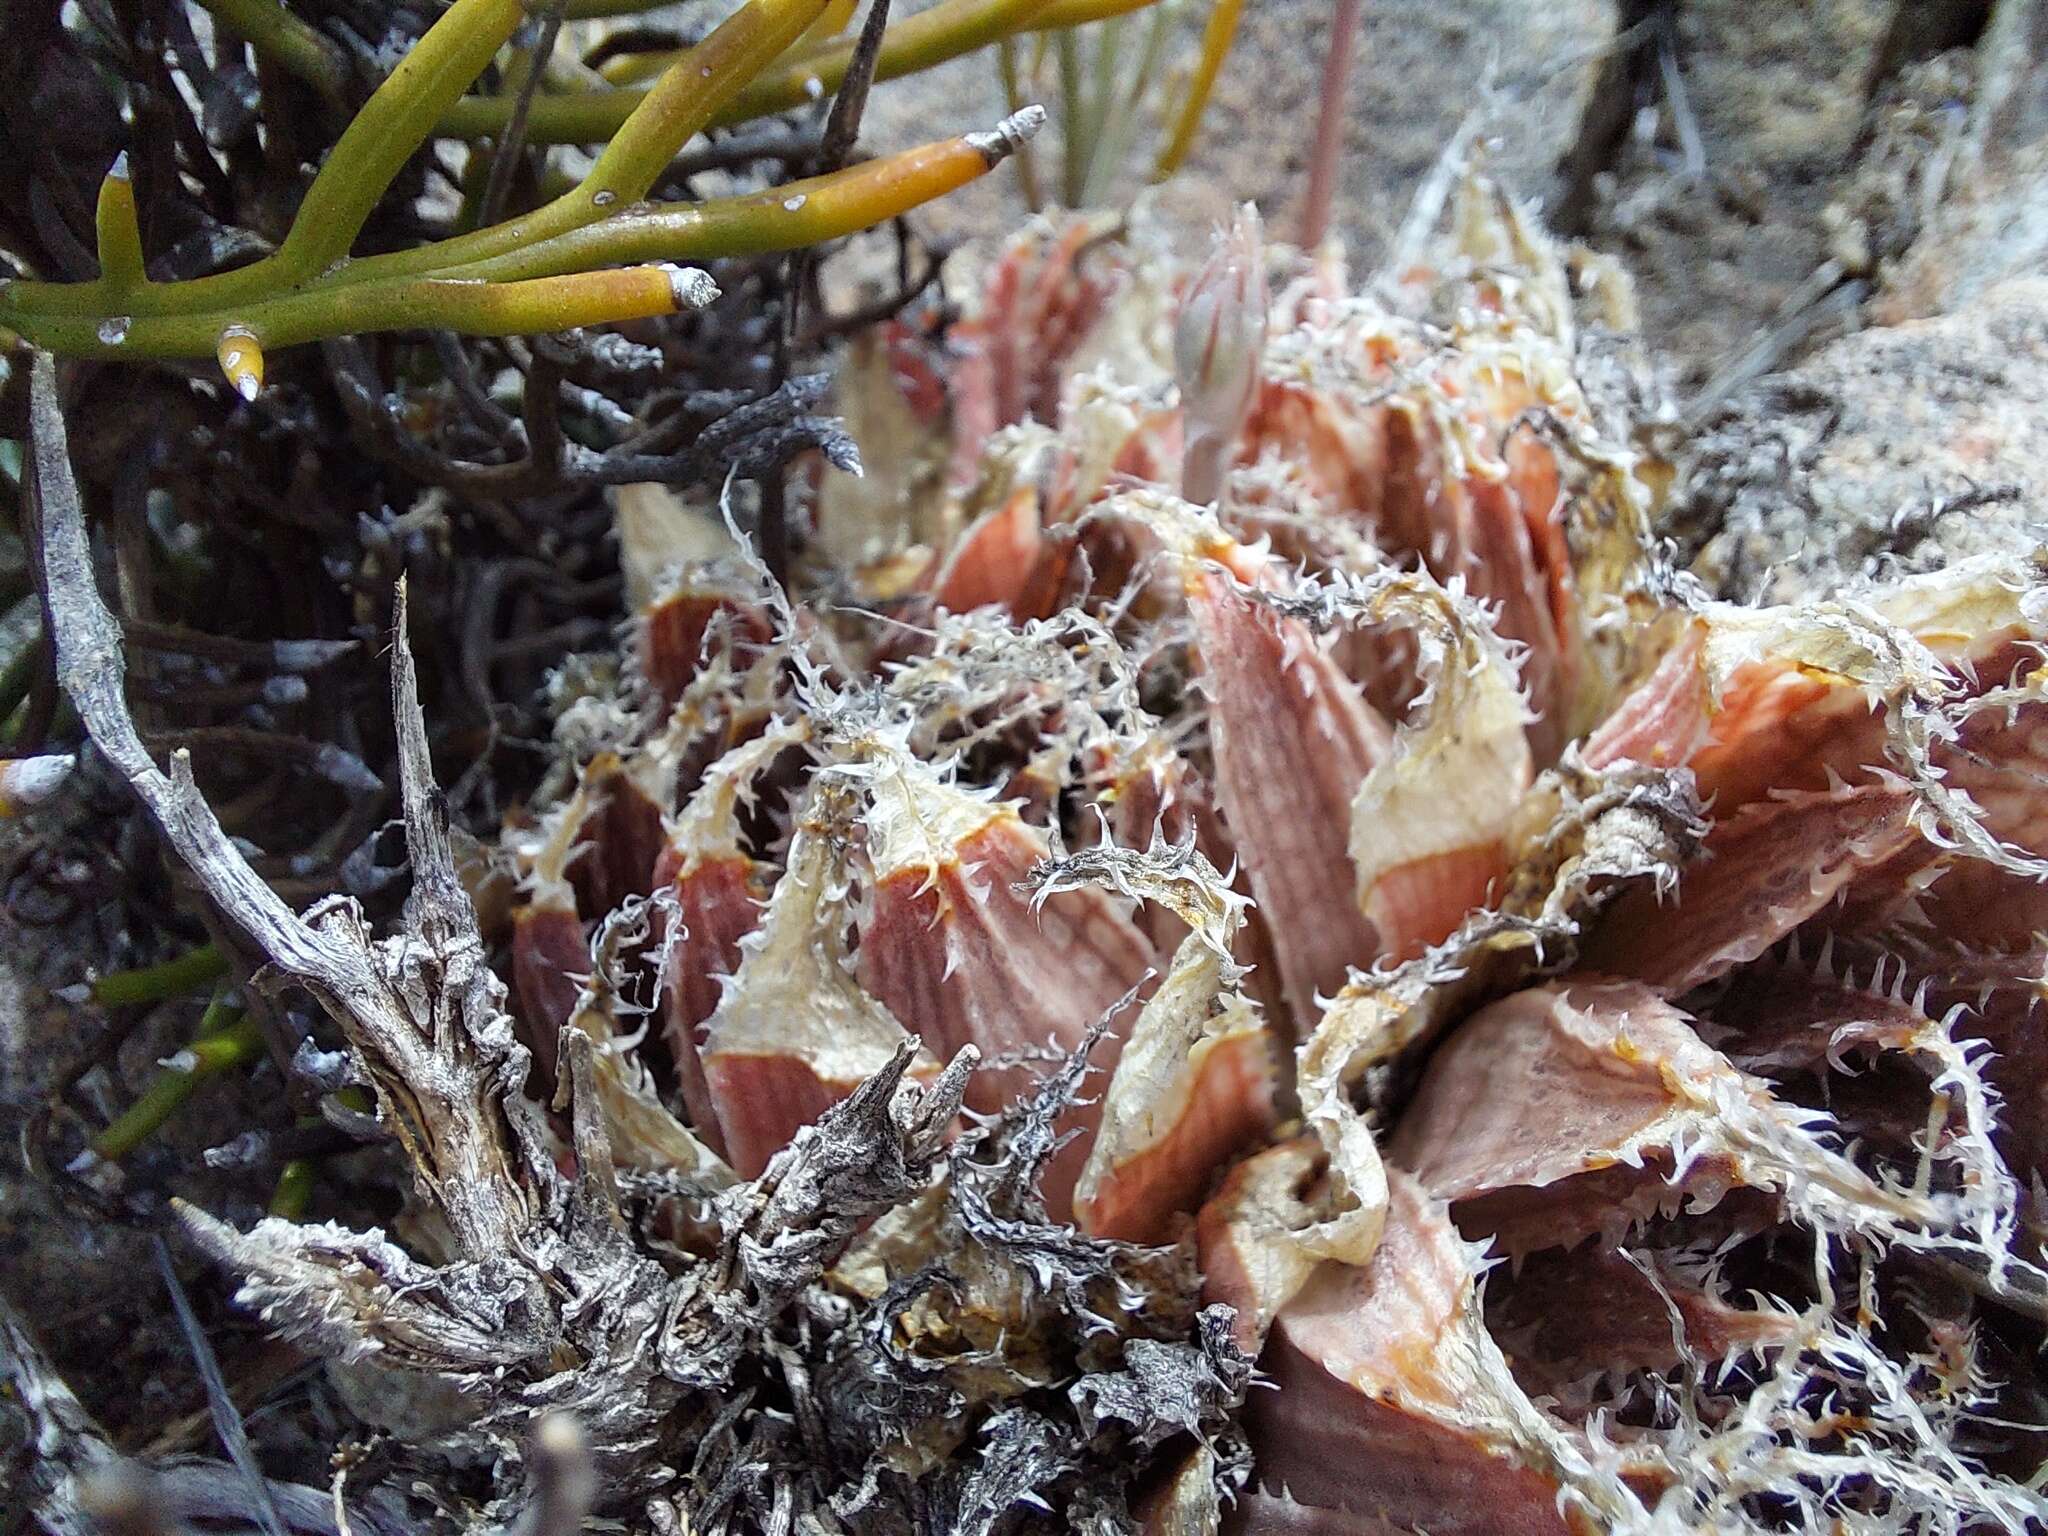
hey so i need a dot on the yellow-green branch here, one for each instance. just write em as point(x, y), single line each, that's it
point(592, 255)
point(784, 218)
point(225, 1039)
point(469, 305)
point(278, 35)
point(1217, 37)
point(154, 983)
point(946, 31)
point(118, 232)
point(697, 84)
point(396, 120)
point(572, 279)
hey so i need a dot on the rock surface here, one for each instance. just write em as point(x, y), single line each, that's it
point(1919, 442)
point(1714, 195)
point(1747, 164)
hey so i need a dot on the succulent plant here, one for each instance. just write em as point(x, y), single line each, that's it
point(596, 252)
point(1562, 904)
point(1073, 940)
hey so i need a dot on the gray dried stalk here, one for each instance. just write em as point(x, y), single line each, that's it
point(57, 1462)
point(729, 1389)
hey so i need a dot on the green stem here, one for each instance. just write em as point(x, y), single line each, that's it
point(466, 304)
point(785, 218)
point(1073, 130)
point(700, 83)
point(692, 92)
point(239, 1044)
point(630, 69)
point(946, 31)
point(277, 34)
point(397, 119)
point(174, 319)
point(392, 124)
point(488, 282)
point(574, 279)
point(1217, 37)
point(155, 983)
point(294, 1190)
point(591, 117)
point(119, 236)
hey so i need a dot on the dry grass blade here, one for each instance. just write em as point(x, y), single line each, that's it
point(227, 1418)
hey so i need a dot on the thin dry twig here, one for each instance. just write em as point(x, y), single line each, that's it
point(227, 1418)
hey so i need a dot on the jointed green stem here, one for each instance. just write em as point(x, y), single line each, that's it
point(155, 983)
point(119, 235)
point(689, 93)
point(294, 1191)
point(468, 305)
point(277, 34)
point(288, 297)
point(534, 272)
point(393, 123)
point(224, 1041)
point(945, 31)
point(552, 285)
